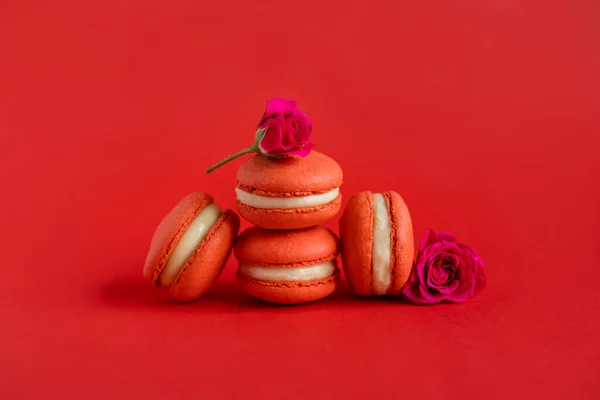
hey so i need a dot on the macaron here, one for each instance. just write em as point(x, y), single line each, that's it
point(289, 193)
point(288, 267)
point(191, 246)
point(377, 243)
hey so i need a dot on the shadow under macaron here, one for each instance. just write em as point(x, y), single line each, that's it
point(135, 293)
point(128, 292)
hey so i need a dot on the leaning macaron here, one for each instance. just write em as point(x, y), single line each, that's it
point(289, 193)
point(288, 267)
point(191, 246)
point(377, 243)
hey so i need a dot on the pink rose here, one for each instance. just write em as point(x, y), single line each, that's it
point(283, 131)
point(445, 270)
point(287, 131)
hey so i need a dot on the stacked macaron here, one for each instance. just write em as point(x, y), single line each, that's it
point(287, 258)
point(286, 191)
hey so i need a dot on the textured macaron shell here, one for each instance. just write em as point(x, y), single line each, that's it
point(356, 232)
point(289, 177)
point(206, 262)
point(287, 249)
point(257, 246)
point(403, 246)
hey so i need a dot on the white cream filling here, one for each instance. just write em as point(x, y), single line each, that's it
point(256, 201)
point(292, 274)
point(381, 246)
point(188, 243)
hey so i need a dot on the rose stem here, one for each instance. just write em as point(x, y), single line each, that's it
point(231, 157)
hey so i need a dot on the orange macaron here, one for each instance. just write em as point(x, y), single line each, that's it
point(377, 243)
point(289, 193)
point(288, 267)
point(191, 246)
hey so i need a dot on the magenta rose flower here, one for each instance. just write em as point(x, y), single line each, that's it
point(445, 270)
point(287, 131)
point(283, 131)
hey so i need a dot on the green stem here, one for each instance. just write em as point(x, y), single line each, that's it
point(231, 157)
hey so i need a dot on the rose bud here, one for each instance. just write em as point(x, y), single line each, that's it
point(283, 131)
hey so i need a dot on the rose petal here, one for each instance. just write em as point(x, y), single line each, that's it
point(301, 127)
point(450, 248)
point(475, 270)
point(450, 288)
point(411, 288)
point(468, 249)
point(458, 298)
point(304, 151)
point(417, 293)
point(443, 273)
point(288, 142)
point(413, 294)
point(271, 142)
point(435, 264)
point(480, 284)
point(446, 236)
point(432, 250)
point(277, 107)
point(480, 280)
point(430, 297)
point(453, 258)
point(428, 239)
point(422, 269)
point(466, 287)
point(441, 277)
point(296, 127)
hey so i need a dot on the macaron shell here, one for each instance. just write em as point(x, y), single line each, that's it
point(315, 173)
point(289, 292)
point(206, 263)
point(356, 234)
point(170, 230)
point(403, 247)
point(262, 247)
point(294, 218)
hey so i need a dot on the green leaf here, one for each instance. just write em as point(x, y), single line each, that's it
point(260, 134)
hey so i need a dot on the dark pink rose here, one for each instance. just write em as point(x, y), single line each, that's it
point(287, 131)
point(282, 131)
point(445, 270)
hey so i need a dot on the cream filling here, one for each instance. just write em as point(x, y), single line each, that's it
point(189, 242)
point(292, 274)
point(381, 246)
point(256, 201)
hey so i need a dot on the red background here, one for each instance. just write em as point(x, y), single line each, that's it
point(484, 115)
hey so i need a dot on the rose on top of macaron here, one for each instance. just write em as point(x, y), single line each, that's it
point(283, 131)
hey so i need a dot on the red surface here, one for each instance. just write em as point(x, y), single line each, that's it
point(484, 115)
